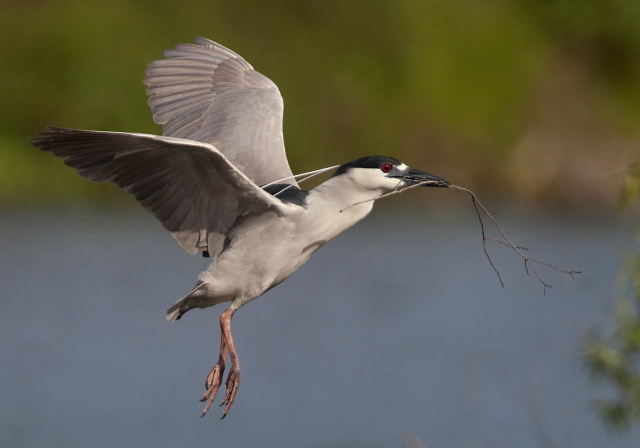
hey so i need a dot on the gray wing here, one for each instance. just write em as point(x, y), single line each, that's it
point(208, 93)
point(189, 186)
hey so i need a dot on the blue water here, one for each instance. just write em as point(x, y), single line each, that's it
point(396, 330)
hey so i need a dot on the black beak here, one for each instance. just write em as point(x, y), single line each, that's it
point(414, 177)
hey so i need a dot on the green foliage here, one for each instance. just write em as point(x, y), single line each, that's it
point(615, 360)
point(443, 84)
point(631, 186)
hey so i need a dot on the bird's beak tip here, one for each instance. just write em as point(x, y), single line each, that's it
point(416, 177)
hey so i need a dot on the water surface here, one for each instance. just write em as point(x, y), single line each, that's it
point(398, 327)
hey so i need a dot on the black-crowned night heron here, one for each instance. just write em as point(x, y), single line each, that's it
point(219, 181)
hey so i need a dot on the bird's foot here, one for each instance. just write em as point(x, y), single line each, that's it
point(233, 383)
point(212, 384)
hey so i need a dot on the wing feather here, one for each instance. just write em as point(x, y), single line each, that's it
point(208, 93)
point(192, 188)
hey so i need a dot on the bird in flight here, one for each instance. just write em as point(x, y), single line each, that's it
point(218, 179)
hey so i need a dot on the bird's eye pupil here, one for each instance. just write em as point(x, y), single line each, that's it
point(386, 167)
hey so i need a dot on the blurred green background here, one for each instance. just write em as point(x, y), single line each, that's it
point(529, 101)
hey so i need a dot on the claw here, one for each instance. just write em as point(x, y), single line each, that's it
point(233, 383)
point(214, 380)
point(214, 376)
point(210, 398)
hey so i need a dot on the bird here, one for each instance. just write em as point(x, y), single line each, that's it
point(219, 181)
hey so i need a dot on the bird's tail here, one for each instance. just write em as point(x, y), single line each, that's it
point(191, 300)
point(175, 313)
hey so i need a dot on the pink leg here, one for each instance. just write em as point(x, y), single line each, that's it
point(233, 379)
point(214, 379)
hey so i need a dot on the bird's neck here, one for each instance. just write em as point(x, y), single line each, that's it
point(337, 204)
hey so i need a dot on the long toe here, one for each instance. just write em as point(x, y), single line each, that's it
point(206, 408)
point(213, 382)
point(233, 384)
point(215, 376)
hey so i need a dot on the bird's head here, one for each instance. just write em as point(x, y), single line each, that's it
point(385, 174)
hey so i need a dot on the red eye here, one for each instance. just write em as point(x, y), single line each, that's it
point(386, 167)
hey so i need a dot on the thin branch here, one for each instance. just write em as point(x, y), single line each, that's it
point(396, 190)
point(528, 261)
point(495, 240)
point(484, 237)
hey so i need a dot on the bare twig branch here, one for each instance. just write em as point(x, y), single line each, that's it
point(495, 240)
point(529, 262)
point(484, 237)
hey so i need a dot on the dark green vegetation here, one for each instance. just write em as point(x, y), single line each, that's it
point(615, 359)
point(530, 100)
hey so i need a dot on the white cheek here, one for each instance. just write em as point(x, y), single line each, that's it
point(369, 179)
point(389, 183)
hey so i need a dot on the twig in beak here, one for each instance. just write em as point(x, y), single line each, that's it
point(528, 261)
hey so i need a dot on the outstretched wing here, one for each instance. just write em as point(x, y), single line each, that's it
point(208, 93)
point(192, 188)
